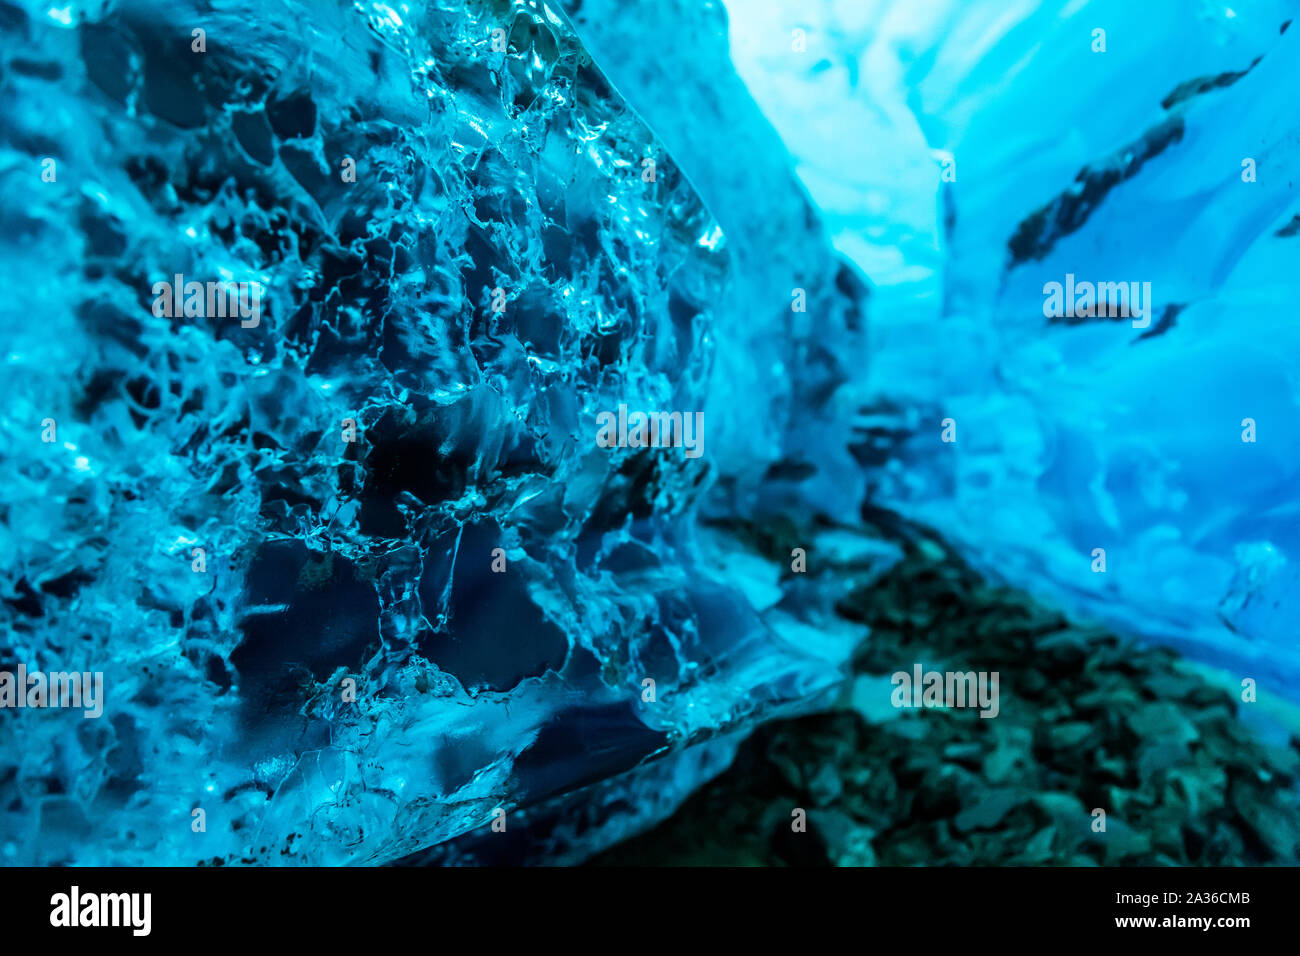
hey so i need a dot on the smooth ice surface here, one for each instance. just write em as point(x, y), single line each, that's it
point(517, 252)
point(1123, 165)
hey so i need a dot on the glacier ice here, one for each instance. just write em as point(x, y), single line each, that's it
point(1123, 165)
point(355, 570)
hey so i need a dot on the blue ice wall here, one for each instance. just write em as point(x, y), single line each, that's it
point(965, 155)
point(357, 569)
point(358, 572)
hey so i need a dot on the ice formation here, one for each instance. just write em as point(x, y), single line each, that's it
point(966, 155)
point(313, 310)
point(357, 573)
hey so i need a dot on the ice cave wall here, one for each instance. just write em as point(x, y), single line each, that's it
point(963, 155)
point(355, 570)
point(517, 161)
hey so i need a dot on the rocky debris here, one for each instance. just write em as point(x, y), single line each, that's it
point(1088, 720)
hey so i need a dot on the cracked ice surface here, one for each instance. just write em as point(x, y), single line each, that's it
point(325, 560)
